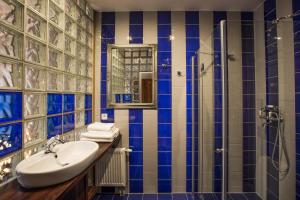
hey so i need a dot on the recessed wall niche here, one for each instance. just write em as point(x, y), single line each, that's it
point(46, 75)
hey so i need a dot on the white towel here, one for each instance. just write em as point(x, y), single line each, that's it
point(97, 138)
point(98, 126)
point(101, 134)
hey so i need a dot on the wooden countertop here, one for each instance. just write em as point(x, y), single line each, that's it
point(13, 190)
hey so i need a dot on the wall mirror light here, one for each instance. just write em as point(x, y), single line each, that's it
point(131, 76)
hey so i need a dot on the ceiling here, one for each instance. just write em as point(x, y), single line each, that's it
point(174, 5)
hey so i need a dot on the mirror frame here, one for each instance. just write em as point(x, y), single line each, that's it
point(110, 104)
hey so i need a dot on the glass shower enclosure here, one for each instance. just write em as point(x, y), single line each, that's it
point(241, 150)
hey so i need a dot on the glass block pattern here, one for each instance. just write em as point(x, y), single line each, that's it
point(42, 93)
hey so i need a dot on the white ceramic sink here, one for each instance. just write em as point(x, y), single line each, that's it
point(42, 169)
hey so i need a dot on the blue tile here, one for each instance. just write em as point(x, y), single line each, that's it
point(269, 5)
point(164, 31)
point(164, 186)
point(150, 197)
point(105, 197)
point(192, 44)
point(179, 197)
point(137, 40)
point(164, 172)
point(189, 101)
point(136, 17)
point(164, 17)
point(10, 106)
point(164, 101)
point(136, 31)
point(217, 185)
point(54, 104)
point(136, 144)
point(248, 31)
point(237, 196)
point(164, 196)
point(164, 115)
point(164, 144)
point(12, 135)
point(88, 101)
point(136, 186)
point(69, 122)
point(192, 31)
point(164, 87)
point(136, 172)
point(108, 31)
point(249, 87)
point(164, 130)
point(135, 196)
point(123, 197)
point(248, 59)
point(164, 158)
point(189, 115)
point(297, 82)
point(249, 101)
point(298, 123)
point(69, 102)
point(218, 129)
point(103, 101)
point(219, 16)
point(135, 130)
point(104, 43)
point(246, 15)
point(191, 17)
point(136, 158)
point(208, 196)
point(108, 18)
point(54, 126)
point(164, 44)
point(164, 58)
point(189, 130)
point(248, 73)
point(189, 144)
point(189, 171)
point(88, 117)
point(135, 116)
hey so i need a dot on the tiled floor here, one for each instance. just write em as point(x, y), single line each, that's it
point(203, 196)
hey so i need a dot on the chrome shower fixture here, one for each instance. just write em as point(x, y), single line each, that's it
point(270, 114)
point(273, 118)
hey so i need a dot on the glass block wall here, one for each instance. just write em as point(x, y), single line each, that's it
point(46, 71)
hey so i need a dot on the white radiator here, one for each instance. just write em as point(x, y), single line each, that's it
point(112, 172)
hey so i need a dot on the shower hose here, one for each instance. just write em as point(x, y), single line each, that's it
point(283, 151)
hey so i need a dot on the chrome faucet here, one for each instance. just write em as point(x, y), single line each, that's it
point(52, 143)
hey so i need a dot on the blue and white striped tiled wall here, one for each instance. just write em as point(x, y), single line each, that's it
point(167, 175)
point(192, 46)
point(272, 98)
point(249, 124)
point(107, 37)
point(217, 18)
point(164, 100)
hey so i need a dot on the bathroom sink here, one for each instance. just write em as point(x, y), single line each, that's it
point(69, 159)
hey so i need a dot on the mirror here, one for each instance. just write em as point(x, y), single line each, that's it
point(131, 76)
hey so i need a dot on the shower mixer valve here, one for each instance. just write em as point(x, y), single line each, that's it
point(270, 114)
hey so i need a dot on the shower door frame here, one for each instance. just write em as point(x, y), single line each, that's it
point(224, 66)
